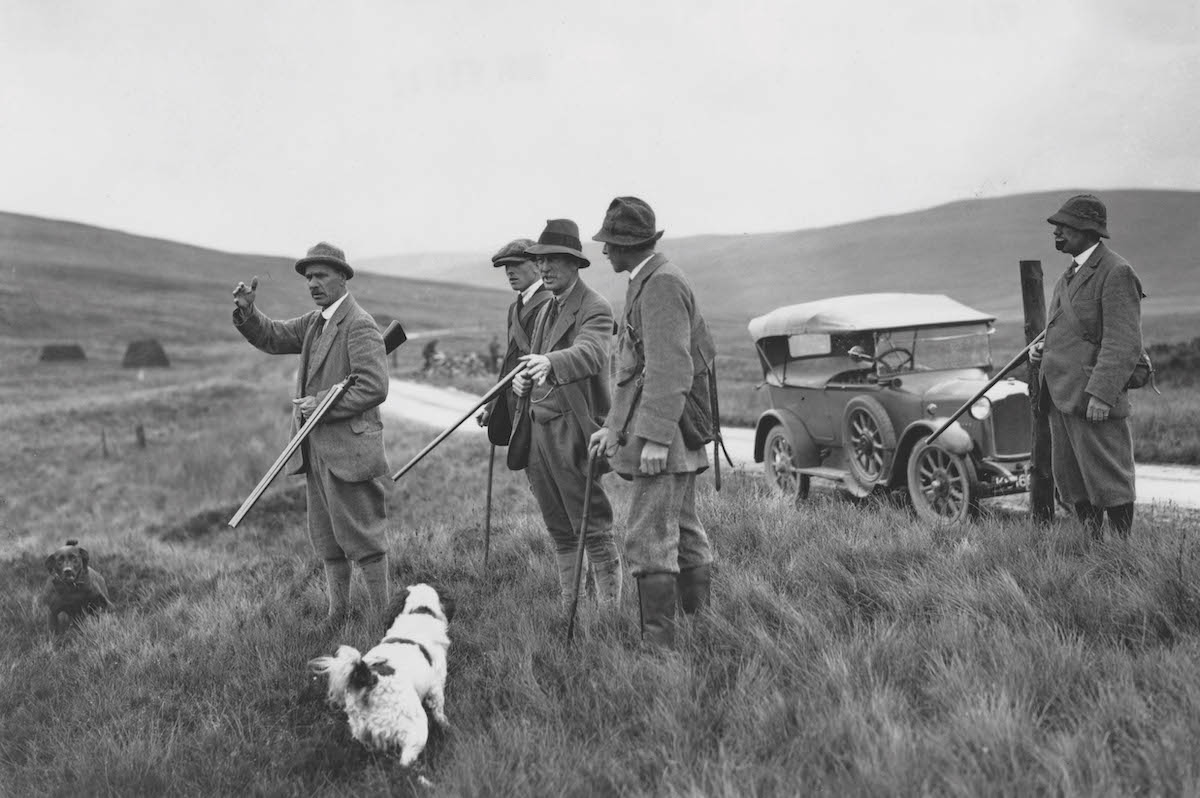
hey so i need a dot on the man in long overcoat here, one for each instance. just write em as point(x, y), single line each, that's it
point(343, 456)
point(564, 394)
point(661, 370)
point(1093, 341)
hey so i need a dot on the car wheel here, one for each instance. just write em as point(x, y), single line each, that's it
point(943, 486)
point(779, 463)
point(869, 440)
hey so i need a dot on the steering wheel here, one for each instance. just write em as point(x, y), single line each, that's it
point(906, 358)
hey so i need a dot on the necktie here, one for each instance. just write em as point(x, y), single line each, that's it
point(320, 327)
point(551, 317)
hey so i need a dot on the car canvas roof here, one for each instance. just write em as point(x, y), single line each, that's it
point(863, 312)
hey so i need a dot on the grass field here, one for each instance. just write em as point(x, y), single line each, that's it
point(849, 651)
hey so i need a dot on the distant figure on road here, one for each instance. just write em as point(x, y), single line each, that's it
point(1093, 342)
point(661, 418)
point(523, 277)
point(343, 456)
point(430, 354)
point(563, 394)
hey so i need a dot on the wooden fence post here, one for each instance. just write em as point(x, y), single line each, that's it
point(140, 433)
point(1041, 481)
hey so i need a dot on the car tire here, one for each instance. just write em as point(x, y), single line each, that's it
point(943, 486)
point(869, 440)
point(779, 463)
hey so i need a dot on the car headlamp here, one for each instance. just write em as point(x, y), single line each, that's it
point(981, 409)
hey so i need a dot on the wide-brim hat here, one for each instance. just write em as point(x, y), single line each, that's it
point(1083, 212)
point(513, 252)
point(561, 237)
point(629, 222)
point(325, 252)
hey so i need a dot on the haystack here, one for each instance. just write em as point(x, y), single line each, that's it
point(146, 353)
point(57, 353)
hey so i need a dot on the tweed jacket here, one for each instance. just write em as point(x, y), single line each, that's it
point(350, 436)
point(1098, 359)
point(662, 320)
point(520, 340)
point(577, 346)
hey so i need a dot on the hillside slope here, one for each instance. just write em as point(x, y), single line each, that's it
point(968, 249)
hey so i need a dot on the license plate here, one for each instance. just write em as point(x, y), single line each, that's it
point(1023, 481)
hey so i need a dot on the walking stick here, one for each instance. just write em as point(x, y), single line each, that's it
point(583, 523)
point(332, 396)
point(1012, 364)
point(487, 515)
point(487, 397)
point(393, 337)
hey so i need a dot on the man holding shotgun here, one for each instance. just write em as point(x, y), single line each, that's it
point(660, 420)
point(343, 456)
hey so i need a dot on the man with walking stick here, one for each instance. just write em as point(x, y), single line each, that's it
point(343, 456)
point(659, 422)
point(562, 395)
point(1092, 345)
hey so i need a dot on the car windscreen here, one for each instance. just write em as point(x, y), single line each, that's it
point(933, 348)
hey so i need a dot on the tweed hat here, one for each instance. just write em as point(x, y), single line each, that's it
point(513, 252)
point(325, 253)
point(629, 222)
point(561, 236)
point(1083, 212)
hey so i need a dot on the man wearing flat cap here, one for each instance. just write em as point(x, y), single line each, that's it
point(660, 420)
point(563, 395)
point(523, 277)
point(1093, 342)
point(342, 457)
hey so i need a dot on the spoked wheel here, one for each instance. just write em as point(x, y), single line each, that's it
point(943, 485)
point(869, 440)
point(780, 465)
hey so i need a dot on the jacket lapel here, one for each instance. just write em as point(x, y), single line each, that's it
point(638, 283)
point(566, 317)
point(1087, 270)
point(325, 342)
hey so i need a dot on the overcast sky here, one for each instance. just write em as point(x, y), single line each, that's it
point(391, 126)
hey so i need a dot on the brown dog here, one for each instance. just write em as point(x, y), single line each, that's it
point(72, 588)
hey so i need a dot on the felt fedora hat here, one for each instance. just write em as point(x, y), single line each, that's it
point(561, 236)
point(1083, 212)
point(513, 252)
point(325, 253)
point(629, 222)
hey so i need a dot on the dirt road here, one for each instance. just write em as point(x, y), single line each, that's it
point(441, 407)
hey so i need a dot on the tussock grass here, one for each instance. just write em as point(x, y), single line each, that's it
point(850, 650)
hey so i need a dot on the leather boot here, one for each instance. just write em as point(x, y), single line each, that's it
point(656, 608)
point(1120, 518)
point(694, 589)
point(1092, 517)
point(608, 582)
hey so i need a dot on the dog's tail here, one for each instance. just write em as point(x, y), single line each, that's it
point(346, 671)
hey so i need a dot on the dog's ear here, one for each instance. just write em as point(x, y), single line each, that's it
point(83, 555)
point(50, 563)
point(72, 542)
point(448, 606)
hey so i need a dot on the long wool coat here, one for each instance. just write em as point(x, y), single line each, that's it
point(1098, 359)
point(350, 436)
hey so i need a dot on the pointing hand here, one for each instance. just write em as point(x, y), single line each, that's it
point(243, 297)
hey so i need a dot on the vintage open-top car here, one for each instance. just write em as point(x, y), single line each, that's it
point(858, 383)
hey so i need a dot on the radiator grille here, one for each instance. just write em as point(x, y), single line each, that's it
point(1012, 425)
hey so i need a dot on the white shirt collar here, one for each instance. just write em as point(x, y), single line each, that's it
point(528, 293)
point(328, 312)
point(634, 271)
point(1082, 257)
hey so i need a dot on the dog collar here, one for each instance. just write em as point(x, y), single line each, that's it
point(406, 641)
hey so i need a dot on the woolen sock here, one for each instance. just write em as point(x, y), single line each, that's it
point(375, 572)
point(337, 585)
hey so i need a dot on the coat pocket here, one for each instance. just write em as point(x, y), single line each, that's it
point(1090, 319)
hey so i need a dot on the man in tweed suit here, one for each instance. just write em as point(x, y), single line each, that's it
point(524, 278)
point(1093, 342)
point(343, 456)
point(563, 396)
point(661, 367)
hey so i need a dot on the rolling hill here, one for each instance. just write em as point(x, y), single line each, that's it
point(968, 249)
